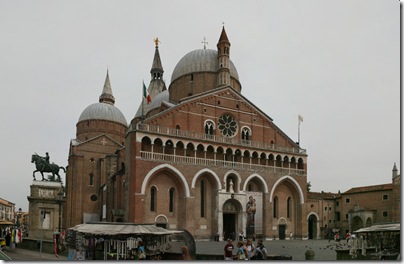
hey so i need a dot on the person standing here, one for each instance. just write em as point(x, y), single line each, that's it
point(261, 252)
point(140, 251)
point(228, 250)
point(347, 236)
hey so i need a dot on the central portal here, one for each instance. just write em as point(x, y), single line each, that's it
point(232, 219)
point(229, 226)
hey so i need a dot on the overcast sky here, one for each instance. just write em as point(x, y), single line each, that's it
point(336, 63)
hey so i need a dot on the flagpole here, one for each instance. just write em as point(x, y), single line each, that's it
point(142, 99)
point(298, 131)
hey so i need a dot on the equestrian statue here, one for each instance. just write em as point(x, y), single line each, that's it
point(42, 165)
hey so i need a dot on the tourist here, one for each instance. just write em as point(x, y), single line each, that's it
point(140, 251)
point(261, 252)
point(241, 252)
point(228, 250)
point(250, 249)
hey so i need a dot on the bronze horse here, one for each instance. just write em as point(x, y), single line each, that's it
point(43, 166)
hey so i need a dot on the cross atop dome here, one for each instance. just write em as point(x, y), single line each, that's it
point(204, 42)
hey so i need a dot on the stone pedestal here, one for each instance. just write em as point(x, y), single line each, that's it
point(44, 198)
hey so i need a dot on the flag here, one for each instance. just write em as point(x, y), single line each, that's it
point(300, 118)
point(145, 95)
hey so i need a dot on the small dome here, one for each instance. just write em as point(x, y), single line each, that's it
point(103, 111)
point(201, 60)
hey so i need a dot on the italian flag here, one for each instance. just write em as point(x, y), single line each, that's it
point(145, 95)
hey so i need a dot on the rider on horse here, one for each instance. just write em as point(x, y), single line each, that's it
point(46, 161)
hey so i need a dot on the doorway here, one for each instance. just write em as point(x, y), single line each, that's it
point(282, 229)
point(312, 228)
point(229, 226)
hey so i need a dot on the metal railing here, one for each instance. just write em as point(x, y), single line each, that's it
point(216, 139)
point(195, 161)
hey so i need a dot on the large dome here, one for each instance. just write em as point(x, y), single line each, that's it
point(201, 60)
point(103, 111)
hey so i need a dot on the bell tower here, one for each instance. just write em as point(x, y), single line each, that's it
point(223, 56)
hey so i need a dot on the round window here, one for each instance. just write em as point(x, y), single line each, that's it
point(94, 197)
point(227, 125)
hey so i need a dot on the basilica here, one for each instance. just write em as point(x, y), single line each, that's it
point(199, 156)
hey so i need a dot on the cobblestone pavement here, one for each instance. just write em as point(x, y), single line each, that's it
point(323, 250)
point(19, 254)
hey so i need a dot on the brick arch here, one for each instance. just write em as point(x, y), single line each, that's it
point(261, 179)
point(201, 172)
point(293, 182)
point(170, 168)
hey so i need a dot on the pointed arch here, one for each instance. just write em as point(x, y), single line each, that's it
point(169, 167)
point(262, 180)
point(199, 173)
point(287, 177)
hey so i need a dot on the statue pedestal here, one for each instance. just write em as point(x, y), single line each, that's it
point(44, 198)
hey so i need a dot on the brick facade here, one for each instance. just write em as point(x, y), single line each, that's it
point(198, 162)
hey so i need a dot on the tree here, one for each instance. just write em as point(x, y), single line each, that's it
point(308, 186)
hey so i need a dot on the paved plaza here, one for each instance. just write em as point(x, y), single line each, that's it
point(323, 250)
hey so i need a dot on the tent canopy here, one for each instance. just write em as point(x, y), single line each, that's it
point(115, 228)
point(380, 228)
point(3, 222)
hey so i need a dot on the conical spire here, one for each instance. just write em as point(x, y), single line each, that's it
point(223, 36)
point(394, 170)
point(106, 96)
point(157, 68)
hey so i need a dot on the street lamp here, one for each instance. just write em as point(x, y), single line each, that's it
point(60, 200)
point(19, 217)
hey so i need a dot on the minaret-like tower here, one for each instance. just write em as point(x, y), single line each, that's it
point(157, 84)
point(395, 171)
point(223, 56)
point(106, 96)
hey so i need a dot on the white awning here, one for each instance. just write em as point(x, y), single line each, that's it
point(380, 228)
point(114, 228)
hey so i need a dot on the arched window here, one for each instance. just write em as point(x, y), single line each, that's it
point(209, 127)
point(153, 193)
point(91, 179)
point(276, 207)
point(202, 198)
point(171, 203)
point(289, 207)
point(245, 134)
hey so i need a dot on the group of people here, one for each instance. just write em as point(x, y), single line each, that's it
point(245, 250)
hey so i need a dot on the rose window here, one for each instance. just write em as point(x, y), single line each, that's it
point(227, 125)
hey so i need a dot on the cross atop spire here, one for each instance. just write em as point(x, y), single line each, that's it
point(204, 42)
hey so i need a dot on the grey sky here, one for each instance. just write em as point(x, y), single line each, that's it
point(336, 63)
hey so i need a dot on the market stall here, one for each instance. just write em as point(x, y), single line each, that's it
point(384, 239)
point(117, 241)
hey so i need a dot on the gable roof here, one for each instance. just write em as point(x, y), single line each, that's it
point(372, 188)
point(322, 195)
point(76, 142)
point(200, 96)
